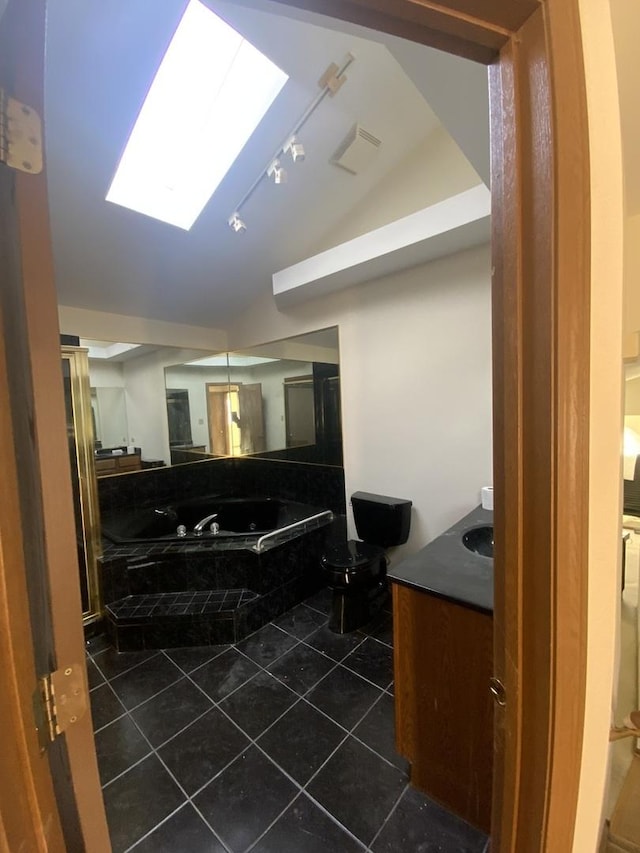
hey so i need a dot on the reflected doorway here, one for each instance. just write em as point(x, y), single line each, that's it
point(235, 416)
point(299, 411)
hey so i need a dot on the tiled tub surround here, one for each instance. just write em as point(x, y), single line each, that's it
point(316, 485)
point(280, 577)
point(282, 743)
point(221, 522)
point(273, 582)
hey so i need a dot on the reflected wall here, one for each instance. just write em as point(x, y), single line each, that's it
point(269, 401)
point(280, 400)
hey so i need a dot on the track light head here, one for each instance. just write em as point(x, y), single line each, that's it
point(236, 224)
point(277, 172)
point(295, 148)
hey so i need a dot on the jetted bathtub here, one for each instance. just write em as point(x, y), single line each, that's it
point(222, 522)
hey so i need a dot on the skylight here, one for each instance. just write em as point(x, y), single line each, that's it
point(230, 361)
point(106, 349)
point(209, 94)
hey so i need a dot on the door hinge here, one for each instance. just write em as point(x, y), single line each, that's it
point(60, 699)
point(20, 135)
point(496, 688)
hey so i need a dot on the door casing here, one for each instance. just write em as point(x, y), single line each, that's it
point(541, 308)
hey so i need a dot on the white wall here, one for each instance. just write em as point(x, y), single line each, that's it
point(415, 366)
point(146, 406)
point(631, 304)
point(435, 170)
point(605, 418)
point(271, 376)
point(110, 405)
point(104, 326)
point(194, 379)
point(105, 374)
point(142, 379)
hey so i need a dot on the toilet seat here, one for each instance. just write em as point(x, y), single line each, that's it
point(353, 563)
point(351, 555)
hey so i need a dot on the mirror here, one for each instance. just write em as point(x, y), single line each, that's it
point(128, 403)
point(164, 405)
point(109, 412)
point(279, 400)
point(108, 399)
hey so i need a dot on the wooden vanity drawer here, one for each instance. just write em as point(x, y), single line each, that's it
point(105, 466)
point(117, 464)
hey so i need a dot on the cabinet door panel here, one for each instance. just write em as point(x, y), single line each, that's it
point(444, 713)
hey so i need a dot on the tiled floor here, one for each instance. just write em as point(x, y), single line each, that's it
point(282, 743)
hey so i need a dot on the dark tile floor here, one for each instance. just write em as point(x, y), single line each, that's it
point(282, 743)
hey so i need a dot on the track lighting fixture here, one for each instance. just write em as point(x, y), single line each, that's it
point(237, 224)
point(295, 148)
point(330, 83)
point(277, 172)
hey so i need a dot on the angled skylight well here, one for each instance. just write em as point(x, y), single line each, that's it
point(211, 91)
point(106, 349)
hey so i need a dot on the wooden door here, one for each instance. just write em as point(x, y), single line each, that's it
point(541, 277)
point(299, 411)
point(252, 436)
point(50, 801)
point(217, 418)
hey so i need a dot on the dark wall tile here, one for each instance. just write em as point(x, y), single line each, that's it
point(251, 778)
point(418, 820)
point(359, 789)
point(202, 750)
point(105, 706)
point(118, 746)
point(185, 830)
point(305, 827)
point(146, 794)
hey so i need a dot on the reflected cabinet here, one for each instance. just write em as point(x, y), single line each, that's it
point(80, 435)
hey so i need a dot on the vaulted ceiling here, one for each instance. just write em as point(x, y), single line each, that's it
point(101, 57)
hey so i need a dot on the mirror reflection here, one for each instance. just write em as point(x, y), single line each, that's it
point(280, 400)
point(156, 406)
point(109, 413)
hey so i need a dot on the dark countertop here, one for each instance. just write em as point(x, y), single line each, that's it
point(445, 567)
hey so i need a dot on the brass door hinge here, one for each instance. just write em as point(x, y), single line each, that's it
point(496, 688)
point(20, 135)
point(59, 701)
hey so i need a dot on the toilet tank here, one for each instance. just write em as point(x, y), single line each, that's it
point(380, 519)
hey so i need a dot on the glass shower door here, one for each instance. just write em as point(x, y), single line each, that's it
point(80, 438)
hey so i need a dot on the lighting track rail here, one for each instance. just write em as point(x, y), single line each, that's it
point(331, 82)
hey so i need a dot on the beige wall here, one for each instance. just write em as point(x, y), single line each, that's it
point(435, 170)
point(631, 316)
point(605, 422)
point(415, 366)
point(632, 397)
point(103, 326)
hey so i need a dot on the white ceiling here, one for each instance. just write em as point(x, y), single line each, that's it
point(101, 57)
point(625, 16)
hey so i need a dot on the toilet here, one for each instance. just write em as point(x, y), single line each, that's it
point(356, 571)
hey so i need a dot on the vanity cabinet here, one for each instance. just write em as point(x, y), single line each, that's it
point(107, 465)
point(444, 710)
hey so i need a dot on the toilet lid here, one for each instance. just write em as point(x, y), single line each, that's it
point(350, 555)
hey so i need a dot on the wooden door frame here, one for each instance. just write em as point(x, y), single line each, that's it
point(72, 768)
point(219, 388)
point(541, 301)
point(541, 314)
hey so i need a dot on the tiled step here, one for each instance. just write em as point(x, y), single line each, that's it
point(142, 607)
point(174, 619)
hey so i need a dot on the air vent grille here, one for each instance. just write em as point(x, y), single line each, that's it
point(357, 151)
